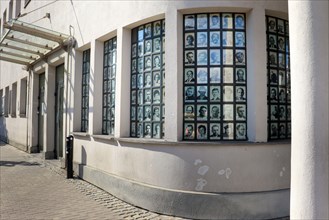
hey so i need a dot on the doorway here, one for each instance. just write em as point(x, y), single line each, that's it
point(41, 111)
point(59, 110)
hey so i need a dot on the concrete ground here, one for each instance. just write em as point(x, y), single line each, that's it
point(32, 188)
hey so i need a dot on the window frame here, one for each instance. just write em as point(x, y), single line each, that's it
point(85, 81)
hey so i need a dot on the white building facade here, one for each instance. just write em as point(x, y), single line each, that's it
point(180, 107)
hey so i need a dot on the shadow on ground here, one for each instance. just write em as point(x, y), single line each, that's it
point(18, 163)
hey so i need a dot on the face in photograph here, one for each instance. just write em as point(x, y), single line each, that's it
point(156, 62)
point(148, 47)
point(133, 81)
point(156, 113)
point(214, 21)
point(147, 97)
point(139, 130)
point(215, 131)
point(156, 130)
point(147, 130)
point(240, 131)
point(202, 131)
point(134, 50)
point(140, 113)
point(133, 129)
point(147, 113)
point(228, 112)
point(282, 95)
point(272, 59)
point(228, 75)
point(282, 60)
point(215, 93)
point(274, 130)
point(189, 93)
point(272, 42)
point(239, 21)
point(240, 57)
point(275, 114)
point(189, 40)
point(202, 21)
point(273, 77)
point(227, 38)
point(215, 75)
point(239, 39)
point(189, 112)
point(202, 57)
point(228, 131)
point(202, 75)
point(202, 93)
point(156, 96)
point(140, 65)
point(240, 94)
point(189, 131)
point(227, 21)
point(271, 24)
point(157, 28)
point(133, 97)
point(148, 31)
point(140, 83)
point(156, 45)
point(214, 39)
point(240, 75)
point(214, 112)
point(280, 26)
point(148, 80)
point(133, 113)
point(202, 39)
point(273, 94)
point(134, 66)
point(202, 112)
point(282, 112)
point(241, 112)
point(189, 76)
point(148, 63)
point(282, 131)
point(228, 93)
point(140, 97)
point(189, 22)
point(140, 49)
point(189, 57)
point(228, 57)
point(214, 57)
point(140, 33)
point(156, 78)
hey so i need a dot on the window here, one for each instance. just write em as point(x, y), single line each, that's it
point(147, 81)
point(110, 59)
point(13, 100)
point(278, 72)
point(23, 97)
point(215, 99)
point(6, 105)
point(85, 91)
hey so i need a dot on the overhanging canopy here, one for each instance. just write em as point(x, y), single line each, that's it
point(26, 44)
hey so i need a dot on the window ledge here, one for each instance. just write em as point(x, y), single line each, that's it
point(103, 137)
point(80, 134)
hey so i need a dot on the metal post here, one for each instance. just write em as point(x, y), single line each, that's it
point(69, 156)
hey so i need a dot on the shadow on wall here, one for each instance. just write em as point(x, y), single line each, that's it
point(3, 130)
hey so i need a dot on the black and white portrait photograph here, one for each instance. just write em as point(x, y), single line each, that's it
point(202, 93)
point(282, 112)
point(156, 130)
point(189, 131)
point(215, 75)
point(273, 94)
point(133, 113)
point(282, 130)
point(240, 39)
point(189, 75)
point(133, 129)
point(214, 93)
point(228, 75)
point(157, 44)
point(148, 80)
point(189, 22)
point(280, 26)
point(140, 33)
point(288, 112)
point(140, 49)
point(140, 81)
point(189, 112)
point(189, 40)
point(140, 65)
point(215, 112)
point(227, 21)
point(148, 31)
point(147, 130)
point(240, 131)
point(275, 114)
point(189, 93)
point(240, 93)
point(202, 112)
point(140, 97)
point(273, 59)
point(274, 130)
point(214, 21)
point(215, 39)
point(156, 78)
point(240, 112)
point(202, 57)
point(282, 95)
point(202, 39)
point(139, 130)
point(156, 113)
point(134, 50)
point(228, 112)
point(189, 57)
point(147, 113)
point(156, 61)
point(201, 131)
point(148, 47)
point(215, 57)
point(228, 131)
point(227, 57)
point(202, 75)
point(202, 21)
point(273, 76)
point(215, 131)
point(240, 57)
point(133, 97)
point(240, 76)
point(272, 42)
point(133, 66)
point(140, 113)
point(227, 39)
point(133, 81)
point(156, 95)
point(148, 63)
point(147, 96)
point(282, 60)
point(271, 24)
point(281, 43)
point(157, 28)
point(228, 93)
point(239, 21)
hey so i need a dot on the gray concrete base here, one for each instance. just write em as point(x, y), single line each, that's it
point(49, 155)
point(32, 149)
point(189, 204)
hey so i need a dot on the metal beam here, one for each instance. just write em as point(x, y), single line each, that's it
point(17, 55)
point(35, 32)
point(21, 49)
point(14, 61)
point(12, 38)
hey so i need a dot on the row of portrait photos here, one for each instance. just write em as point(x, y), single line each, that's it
point(147, 130)
point(279, 130)
point(278, 26)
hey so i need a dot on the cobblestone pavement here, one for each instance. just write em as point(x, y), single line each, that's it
point(32, 188)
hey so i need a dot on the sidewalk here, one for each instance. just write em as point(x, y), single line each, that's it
point(32, 188)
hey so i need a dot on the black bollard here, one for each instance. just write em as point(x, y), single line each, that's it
point(69, 156)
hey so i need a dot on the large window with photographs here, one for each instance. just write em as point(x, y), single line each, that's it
point(215, 86)
point(147, 80)
point(109, 73)
point(278, 72)
point(85, 90)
